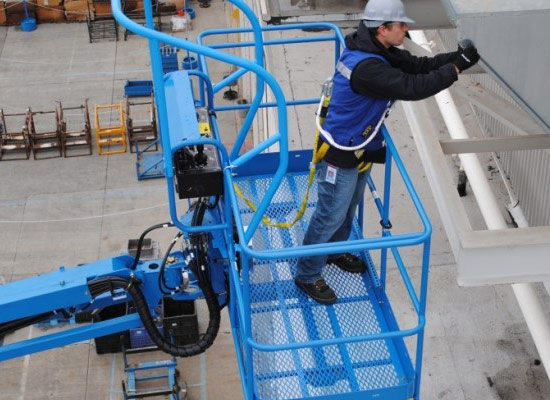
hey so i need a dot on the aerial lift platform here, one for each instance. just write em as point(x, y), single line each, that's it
point(287, 345)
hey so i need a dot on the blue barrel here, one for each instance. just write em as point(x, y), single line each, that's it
point(189, 63)
point(191, 12)
point(28, 24)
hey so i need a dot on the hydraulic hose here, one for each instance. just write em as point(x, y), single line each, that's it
point(200, 260)
point(162, 278)
point(12, 326)
point(206, 340)
point(140, 241)
point(199, 266)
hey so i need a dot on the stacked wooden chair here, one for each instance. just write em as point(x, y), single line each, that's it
point(142, 133)
point(14, 144)
point(71, 137)
point(46, 139)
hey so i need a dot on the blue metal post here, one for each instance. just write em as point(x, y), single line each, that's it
point(422, 311)
point(385, 211)
point(260, 85)
point(204, 84)
point(25, 8)
point(245, 274)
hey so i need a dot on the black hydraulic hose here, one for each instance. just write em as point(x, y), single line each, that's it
point(162, 278)
point(12, 326)
point(199, 266)
point(206, 340)
point(200, 260)
point(198, 213)
point(140, 241)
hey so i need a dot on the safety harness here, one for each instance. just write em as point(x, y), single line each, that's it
point(320, 149)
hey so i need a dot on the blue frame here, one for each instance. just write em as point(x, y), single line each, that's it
point(68, 288)
point(239, 315)
point(166, 374)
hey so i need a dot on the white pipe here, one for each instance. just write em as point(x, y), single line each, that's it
point(487, 203)
point(525, 293)
point(536, 320)
point(529, 301)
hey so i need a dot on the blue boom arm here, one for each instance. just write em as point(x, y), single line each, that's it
point(107, 282)
point(79, 290)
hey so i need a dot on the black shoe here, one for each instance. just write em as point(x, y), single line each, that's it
point(348, 262)
point(318, 291)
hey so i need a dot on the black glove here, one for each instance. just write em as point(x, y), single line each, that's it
point(467, 55)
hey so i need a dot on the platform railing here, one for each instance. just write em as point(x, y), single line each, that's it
point(387, 241)
point(280, 138)
point(384, 243)
point(232, 161)
point(257, 31)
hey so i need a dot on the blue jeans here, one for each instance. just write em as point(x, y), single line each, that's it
point(332, 219)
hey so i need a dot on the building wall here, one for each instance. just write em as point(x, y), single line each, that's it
point(528, 171)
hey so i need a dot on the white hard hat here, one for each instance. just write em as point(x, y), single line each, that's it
point(379, 11)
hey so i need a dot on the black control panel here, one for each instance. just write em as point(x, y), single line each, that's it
point(198, 172)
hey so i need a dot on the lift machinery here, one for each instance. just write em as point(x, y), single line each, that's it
point(287, 345)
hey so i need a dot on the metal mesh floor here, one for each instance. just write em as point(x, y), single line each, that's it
point(282, 314)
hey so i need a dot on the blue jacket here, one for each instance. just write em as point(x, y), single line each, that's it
point(398, 75)
point(353, 117)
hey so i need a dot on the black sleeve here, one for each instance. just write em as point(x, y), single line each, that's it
point(375, 78)
point(408, 63)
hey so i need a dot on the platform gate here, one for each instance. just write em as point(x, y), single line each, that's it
point(287, 345)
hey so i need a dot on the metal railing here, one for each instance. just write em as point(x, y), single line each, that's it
point(230, 160)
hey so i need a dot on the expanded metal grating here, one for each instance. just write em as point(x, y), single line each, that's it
point(282, 314)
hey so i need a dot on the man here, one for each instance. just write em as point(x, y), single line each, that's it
point(370, 75)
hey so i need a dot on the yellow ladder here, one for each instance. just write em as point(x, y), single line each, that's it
point(111, 135)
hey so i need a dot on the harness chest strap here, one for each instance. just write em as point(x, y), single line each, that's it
point(319, 151)
point(346, 73)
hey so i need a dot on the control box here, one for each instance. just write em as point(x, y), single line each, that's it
point(198, 172)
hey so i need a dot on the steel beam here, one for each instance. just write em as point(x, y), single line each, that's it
point(487, 145)
point(484, 257)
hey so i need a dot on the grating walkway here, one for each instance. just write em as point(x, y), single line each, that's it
point(282, 314)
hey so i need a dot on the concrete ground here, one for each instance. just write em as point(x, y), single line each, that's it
point(70, 211)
